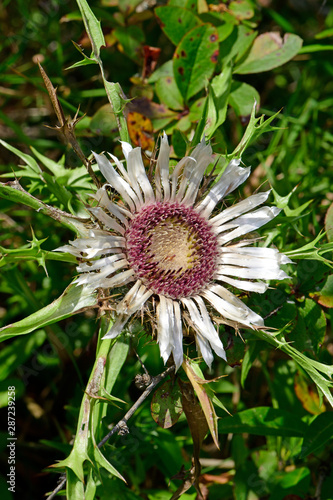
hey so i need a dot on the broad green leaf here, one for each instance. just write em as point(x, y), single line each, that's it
point(242, 98)
point(179, 143)
point(318, 434)
point(103, 122)
point(168, 92)
point(176, 21)
point(263, 421)
point(166, 404)
point(218, 96)
point(196, 113)
point(73, 300)
point(290, 484)
point(269, 51)
point(186, 4)
point(165, 70)
point(195, 59)
point(236, 44)
point(241, 9)
point(130, 39)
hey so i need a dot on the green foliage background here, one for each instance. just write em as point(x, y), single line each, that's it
point(278, 441)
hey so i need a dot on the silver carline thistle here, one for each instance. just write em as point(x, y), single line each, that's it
point(173, 249)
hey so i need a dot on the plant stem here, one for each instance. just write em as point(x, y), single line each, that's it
point(123, 422)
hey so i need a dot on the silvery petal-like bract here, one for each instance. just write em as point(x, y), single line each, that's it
point(158, 240)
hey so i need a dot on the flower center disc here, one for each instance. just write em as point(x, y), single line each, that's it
point(172, 249)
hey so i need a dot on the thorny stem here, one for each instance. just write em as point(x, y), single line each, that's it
point(122, 423)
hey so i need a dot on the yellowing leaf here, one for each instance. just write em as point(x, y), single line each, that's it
point(308, 395)
point(205, 401)
point(140, 130)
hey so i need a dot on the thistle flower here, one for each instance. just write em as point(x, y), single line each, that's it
point(173, 249)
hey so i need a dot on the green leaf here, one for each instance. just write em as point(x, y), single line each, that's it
point(186, 4)
point(90, 492)
point(311, 252)
point(242, 98)
point(256, 127)
point(236, 44)
point(296, 482)
point(199, 130)
point(325, 296)
point(197, 113)
point(318, 434)
point(14, 192)
point(314, 369)
point(316, 47)
point(263, 421)
point(269, 51)
point(102, 462)
point(241, 9)
point(168, 92)
point(17, 352)
point(93, 28)
point(218, 96)
point(324, 34)
point(175, 21)
point(179, 143)
point(249, 358)
point(74, 487)
point(103, 122)
point(310, 329)
point(165, 70)
point(195, 59)
point(28, 160)
point(131, 39)
point(31, 252)
point(166, 404)
point(73, 300)
point(115, 362)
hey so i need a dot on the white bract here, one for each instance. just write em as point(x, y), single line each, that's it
point(163, 243)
